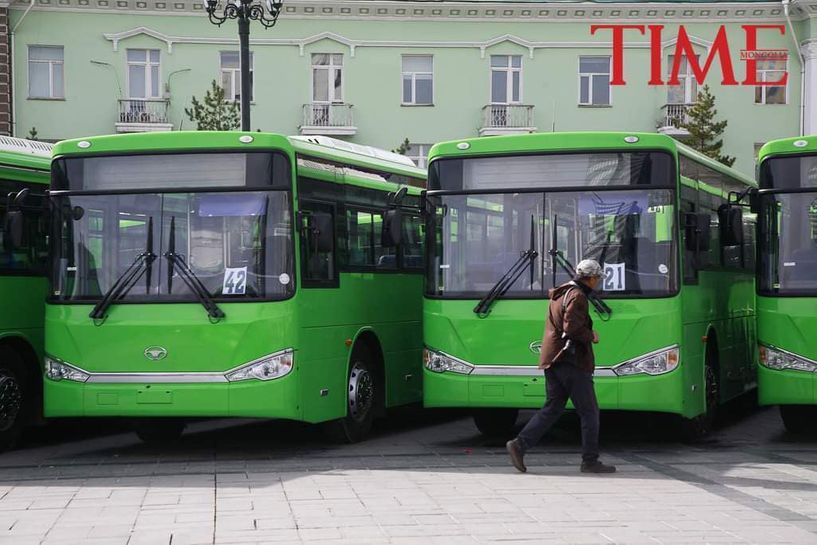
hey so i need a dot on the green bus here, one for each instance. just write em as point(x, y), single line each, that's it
point(24, 175)
point(506, 217)
point(208, 274)
point(787, 280)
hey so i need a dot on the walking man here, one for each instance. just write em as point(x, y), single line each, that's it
point(568, 361)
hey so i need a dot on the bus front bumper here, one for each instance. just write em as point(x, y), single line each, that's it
point(783, 387)
point(251, 398)
point(660, 393)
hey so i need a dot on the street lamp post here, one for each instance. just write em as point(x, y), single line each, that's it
point(244, 11)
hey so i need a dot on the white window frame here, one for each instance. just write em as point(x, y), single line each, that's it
point(688, 81)
point(51, 91)
point(147, 65)
point(590, 83)
point(235, 76)
point(509, 70)
point(404, 73)
point(762, 75)
point(421, 157)
point(331, 88)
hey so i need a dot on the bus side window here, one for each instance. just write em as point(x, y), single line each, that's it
point(749, 222)
point(411, 246)
point(317, 228)
point(31, 256)
point(688, 207)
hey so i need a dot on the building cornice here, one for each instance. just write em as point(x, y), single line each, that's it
point(642, 12)
point(353, 44)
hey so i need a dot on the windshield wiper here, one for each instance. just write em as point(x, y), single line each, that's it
point(123, 284)
point(508, 279)
point(189, 277)
point(604, 311)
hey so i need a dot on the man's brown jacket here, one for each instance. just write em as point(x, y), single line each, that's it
point(568, 313)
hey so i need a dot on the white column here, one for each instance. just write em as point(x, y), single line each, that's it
point(809, 98)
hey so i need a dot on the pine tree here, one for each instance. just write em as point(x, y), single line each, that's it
point(403, 148)
point(33, 134)
point(215, 113)
point(704, 132)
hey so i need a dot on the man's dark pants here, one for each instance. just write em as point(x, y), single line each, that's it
point(565, 380)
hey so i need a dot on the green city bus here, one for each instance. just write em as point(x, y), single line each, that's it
point(506, 218)
point(24, 175)
point(787, 280)
point(206, 274)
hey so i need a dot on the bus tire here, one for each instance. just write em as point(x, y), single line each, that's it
point(496, 422)
point(799, 419)
point(362, 400)
point(156, 431)
point(696, 428)
point(15, 397)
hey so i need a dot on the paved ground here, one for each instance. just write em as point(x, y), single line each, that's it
point(424, 478)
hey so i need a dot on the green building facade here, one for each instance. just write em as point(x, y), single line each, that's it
point(380, 72)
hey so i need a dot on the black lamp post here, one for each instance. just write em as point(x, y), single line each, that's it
point(244, 11)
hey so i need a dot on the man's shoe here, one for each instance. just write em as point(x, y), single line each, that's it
point(517, 456)
point(597, 467)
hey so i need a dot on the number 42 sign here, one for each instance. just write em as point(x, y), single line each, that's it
point(614, 277)
point(235, 281)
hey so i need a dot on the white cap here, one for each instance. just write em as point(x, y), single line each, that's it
point(588, 268)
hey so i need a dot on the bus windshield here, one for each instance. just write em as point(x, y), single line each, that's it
point(478, 236)
point(789, 244)
point(237, 242)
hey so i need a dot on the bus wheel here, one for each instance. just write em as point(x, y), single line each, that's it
point(14, 397)
point(799, 418)
point(159, 430)
point(362, 401)
point(496, 422)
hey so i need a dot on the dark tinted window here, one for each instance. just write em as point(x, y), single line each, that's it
point(30, 256)
point(553, 170)
point(171, 171)
point(789, 172)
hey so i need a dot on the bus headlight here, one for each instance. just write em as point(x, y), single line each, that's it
point(59, 370)
point(774, 358)
point(655, 363)
point(267, 368)
point(442, 363)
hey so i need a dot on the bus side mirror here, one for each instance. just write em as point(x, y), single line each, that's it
point(754, 202)
point(730, 222)
point(392, 228)
point(13, 230)
point(696, 232)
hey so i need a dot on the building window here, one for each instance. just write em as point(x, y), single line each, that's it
point(231, 75)
point(327, 78)
point(770, 71)
point(419, 154)
point(45, 72)
point(594, 81)
point(506, 79)
point(418, 79)
point(686, 92)
point(143, 73)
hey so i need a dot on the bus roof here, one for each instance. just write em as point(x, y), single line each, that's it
point(576, 141)
point(21, 153)
point(322, 147)
point(788, 146)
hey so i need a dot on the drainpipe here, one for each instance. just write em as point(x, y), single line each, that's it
point(802, 59)
point(11, 68)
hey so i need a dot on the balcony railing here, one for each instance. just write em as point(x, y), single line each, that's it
point(143, 114)
point(506, 119)
point(673, 118)
point(328, 119)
